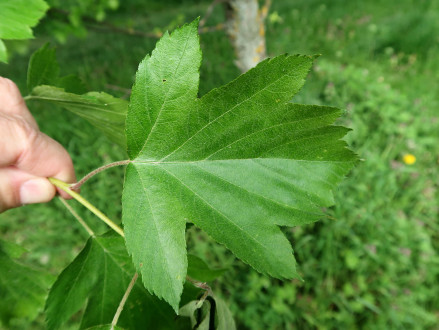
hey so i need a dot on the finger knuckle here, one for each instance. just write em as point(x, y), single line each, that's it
point(26, 135)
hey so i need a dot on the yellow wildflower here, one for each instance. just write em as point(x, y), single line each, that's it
point(409, 159)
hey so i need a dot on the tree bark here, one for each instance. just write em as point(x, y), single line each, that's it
point(246, 29)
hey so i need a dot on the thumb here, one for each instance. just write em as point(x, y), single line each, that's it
point(27, 156)
point(19, 188)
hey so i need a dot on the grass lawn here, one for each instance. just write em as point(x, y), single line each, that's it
point(373, 263)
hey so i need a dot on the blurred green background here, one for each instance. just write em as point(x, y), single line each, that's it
point(374, 263)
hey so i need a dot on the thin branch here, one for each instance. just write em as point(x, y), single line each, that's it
point(205, 29)
point(66, 187)
point(92, 23)
point(78, 184)
point(105, 27)
point(123, 301)
point(209, 12)
point(137, 33)
point(126, 91)
point(201, 285)
point(76, 215)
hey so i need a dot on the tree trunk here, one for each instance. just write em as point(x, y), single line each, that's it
point(246, 29)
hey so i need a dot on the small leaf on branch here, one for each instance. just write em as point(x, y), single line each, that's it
point(44, 69)
point(238, 162)
point(17, 18)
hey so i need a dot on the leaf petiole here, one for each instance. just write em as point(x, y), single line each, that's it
point(201, 285)
point(66, 187)
point(78, 184)
point(123, 301)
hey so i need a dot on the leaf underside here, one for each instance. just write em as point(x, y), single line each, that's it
point(238, 162)
point(105, 112)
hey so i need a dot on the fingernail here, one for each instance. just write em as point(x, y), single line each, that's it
point(36, 191)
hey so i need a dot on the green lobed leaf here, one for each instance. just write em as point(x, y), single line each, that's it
point(99, 277)
point(22, 288)
point(102, 110)
point(158, 246)
point(238, 162)
point(17, 17)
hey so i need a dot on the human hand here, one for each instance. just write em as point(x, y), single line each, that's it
point(27, 156)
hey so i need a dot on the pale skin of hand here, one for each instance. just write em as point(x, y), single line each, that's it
point(27, 156)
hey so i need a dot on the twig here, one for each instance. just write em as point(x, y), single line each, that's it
point(209, 12)
point(201, 285)
point(102, 26)
point(109, 27)
point(80, 220)
point(218, 27)
point(126, 91)
point(123, 301)
point(78, 184)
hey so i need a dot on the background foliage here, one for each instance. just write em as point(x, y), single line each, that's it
point(375, 265)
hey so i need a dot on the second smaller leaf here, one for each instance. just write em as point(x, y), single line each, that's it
point(102, 110)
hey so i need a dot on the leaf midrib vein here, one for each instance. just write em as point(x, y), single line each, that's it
point(87, 105)
point(166, 96)
point(184, 162)
point(168, 280)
